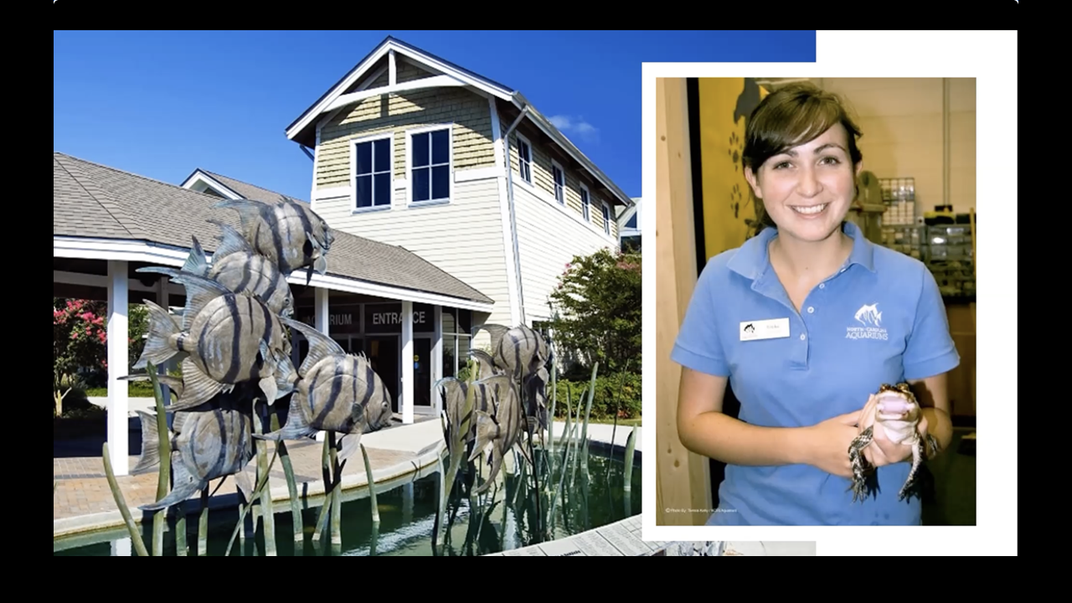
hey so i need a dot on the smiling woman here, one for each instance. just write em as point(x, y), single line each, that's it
point(806, 321)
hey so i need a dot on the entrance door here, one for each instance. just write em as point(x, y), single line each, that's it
point(382, 352)
point(422, 371)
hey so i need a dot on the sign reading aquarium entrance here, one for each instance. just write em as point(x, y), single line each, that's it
point(379, 318)
point(387, 318)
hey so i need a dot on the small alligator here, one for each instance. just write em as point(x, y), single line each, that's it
point(896, 408)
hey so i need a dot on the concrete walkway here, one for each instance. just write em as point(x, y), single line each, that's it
point(83, 502)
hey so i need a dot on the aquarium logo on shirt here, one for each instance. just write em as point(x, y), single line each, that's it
point(870, 320)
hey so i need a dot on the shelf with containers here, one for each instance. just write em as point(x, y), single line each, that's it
point(943, 241)
point(949, 254)
point(901, 230)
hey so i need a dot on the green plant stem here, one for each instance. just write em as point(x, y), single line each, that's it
point(371, 486)
point(180, 531)
point(267, 508)
point(373, 538)
point(573, 435)
point(325, 509)
point(551, 413)
point(292, 486)
point(240, 527)
point(587, 415)
point(202, 525)
point(135, 534)
point(617, 410)
point(164, 472)
point(336, 488)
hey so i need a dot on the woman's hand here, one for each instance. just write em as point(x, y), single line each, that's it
point(829, 441)
point(882, 451)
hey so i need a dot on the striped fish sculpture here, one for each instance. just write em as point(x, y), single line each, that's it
point(498, 426)
point(519, 352)
point(238, 267)
point(205, 445)
point(288, 233)
point(333, 391)
point(535, 385)
point(229, 338)
point(484, 392)
point(485, 365)
point(239, 398)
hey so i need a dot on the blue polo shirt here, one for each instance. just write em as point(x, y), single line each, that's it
point(879, 319)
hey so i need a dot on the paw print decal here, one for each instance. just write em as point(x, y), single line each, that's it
point(736, 147)
point(736, 196)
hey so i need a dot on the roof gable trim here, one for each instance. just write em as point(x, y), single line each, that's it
point(408, 52)
point(200, 176)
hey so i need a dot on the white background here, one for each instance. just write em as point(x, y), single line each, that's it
point(991, 58)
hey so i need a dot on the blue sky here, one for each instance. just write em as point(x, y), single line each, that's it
point(161, 104)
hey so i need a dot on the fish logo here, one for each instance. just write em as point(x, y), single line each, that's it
point(869, 316)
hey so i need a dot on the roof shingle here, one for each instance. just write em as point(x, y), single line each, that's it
point(93, 200)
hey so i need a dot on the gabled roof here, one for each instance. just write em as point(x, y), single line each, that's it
point(303, 129)
point(100, 202)
point(231, 188)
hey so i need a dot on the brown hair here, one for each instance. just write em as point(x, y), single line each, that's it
point(791, 116)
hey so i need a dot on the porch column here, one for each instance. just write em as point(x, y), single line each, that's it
point(407, 363)
point(437, 356)
point(118, 403)
point(162, 294)
point(321, 307)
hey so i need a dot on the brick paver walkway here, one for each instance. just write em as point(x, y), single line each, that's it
point(82, 486)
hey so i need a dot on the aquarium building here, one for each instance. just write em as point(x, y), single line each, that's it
point(375, 297)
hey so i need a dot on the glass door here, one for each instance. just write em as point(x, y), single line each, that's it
point(422, 371)
point(383, 354)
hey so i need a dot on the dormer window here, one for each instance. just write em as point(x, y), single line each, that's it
point(524, 161)
point(586, 202)
point(559, 176)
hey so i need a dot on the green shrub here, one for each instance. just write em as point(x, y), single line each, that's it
point(135, 389)
point(607, 397)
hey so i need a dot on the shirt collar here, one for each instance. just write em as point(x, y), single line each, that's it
point(752, 259)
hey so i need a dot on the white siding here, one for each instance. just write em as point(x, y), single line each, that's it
point(548, 238)
point(463, 238)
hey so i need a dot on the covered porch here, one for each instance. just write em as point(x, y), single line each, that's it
point(405, 334)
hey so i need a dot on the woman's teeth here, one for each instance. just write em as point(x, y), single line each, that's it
point(814, 209)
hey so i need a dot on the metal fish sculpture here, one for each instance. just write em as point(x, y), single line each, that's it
point(484, 392)
point(485, 364)
point(536, 399)
point(240, 398)
point(288, 233)
point(333, 391)
point(230, 338)
point(535, 386)
point(501, 427)
point(238, 267)
point(205, 445)
point(896, 409)
point(519, 351)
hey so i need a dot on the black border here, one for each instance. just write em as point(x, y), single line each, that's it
point(692, 88)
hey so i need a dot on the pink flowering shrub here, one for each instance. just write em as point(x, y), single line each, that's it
point(597, 310)
point(80, 337)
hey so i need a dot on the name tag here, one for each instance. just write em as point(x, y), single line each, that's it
point(774, 328)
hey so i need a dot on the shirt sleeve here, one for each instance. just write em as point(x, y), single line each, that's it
point(930, 350)
point(698, 345)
